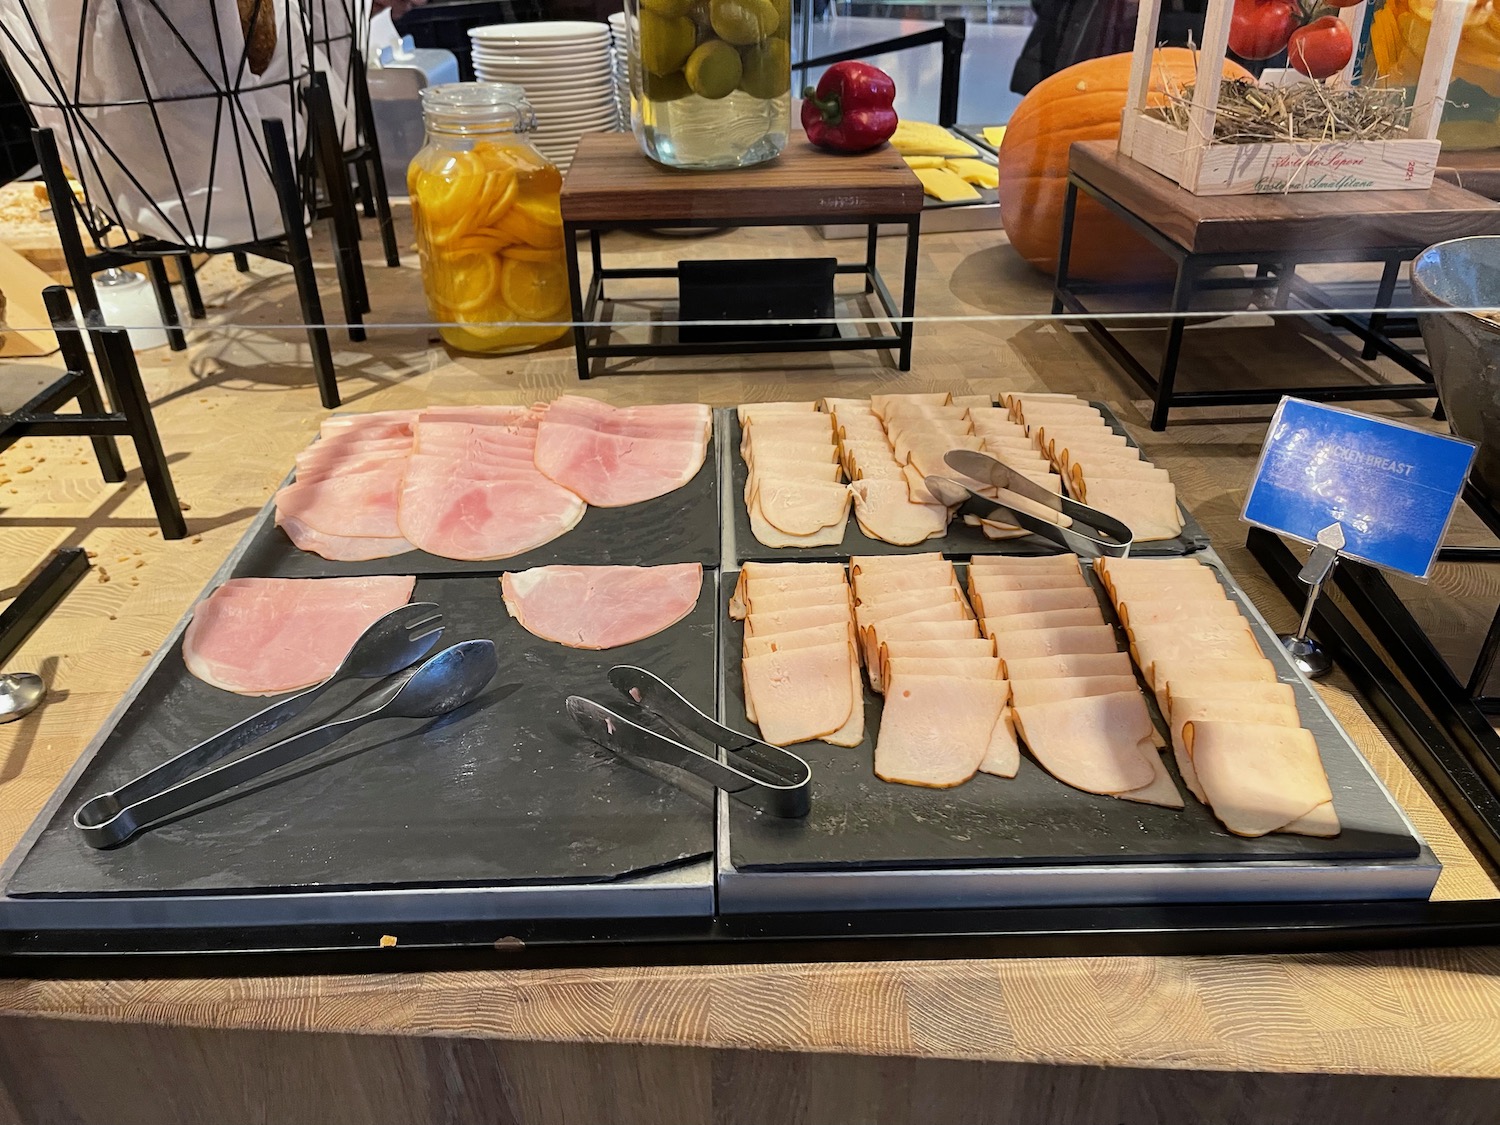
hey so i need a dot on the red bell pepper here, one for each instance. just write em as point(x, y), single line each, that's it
point(850, 111)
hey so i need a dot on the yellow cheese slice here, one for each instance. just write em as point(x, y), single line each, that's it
point(942, 184)
point(915, 138)
point(976, 172)
point(915, 162)
point(993, 134)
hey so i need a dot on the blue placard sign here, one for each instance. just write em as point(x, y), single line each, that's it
point(1390, 488)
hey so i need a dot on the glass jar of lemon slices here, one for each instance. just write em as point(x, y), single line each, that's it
point(488, 222)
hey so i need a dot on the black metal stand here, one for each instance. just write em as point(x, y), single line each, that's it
point(327, 158)
point(130, 418)
point(1274, 270)
point(39, 597)
point(82, 264)
point(364, 158)
point(586, 303)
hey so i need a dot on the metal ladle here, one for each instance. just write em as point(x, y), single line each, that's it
point(20, 694)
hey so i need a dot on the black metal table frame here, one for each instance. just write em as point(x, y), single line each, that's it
point(585, 304)
point(1274, 270)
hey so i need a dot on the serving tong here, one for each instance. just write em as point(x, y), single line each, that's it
point(1111, 538)
point(391, 645)
point(763, 776)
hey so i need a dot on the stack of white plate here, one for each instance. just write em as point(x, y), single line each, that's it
point(621, 49)
point(566, 69)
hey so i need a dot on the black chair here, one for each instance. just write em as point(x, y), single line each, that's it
point(130, 417)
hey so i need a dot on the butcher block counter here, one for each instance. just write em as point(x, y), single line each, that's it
point(1330, 1038)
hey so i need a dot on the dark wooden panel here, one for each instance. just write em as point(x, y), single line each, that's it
point(1302, 222)
point(64, 1073)
point(1476, 171)
point(612, 181)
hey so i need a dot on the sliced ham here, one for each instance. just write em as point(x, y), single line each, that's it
point(1092, 744)
point(800, 506)
point(1257, 778)
point(800, 694)
point(341, 548)
point(946, 649)
point(1190, 709)
point(1012, 583)
point(936, 730)
point(1032, 564)
point(751, 410)
point(377, 422)
point(1070, 640)
point(465, 518)
point(612, 458)
point(1189, 674)
point(1042, 618)
point(266, 636)
point(1025, 691)
point(344, 507)
point(1002, 757)
point(1055, 667)
point(797, 638)
point(885, 511)
point(1034, 601)
point(476, 415)
point(790, 620)
point(770, 602)
point(1161, 790)
point(599, 607)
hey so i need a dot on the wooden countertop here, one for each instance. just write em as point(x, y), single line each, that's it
point(1026, 1034)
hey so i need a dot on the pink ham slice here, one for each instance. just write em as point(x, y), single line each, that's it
point(347, 517)
point(613, 457)
point(450, 507)
point(476, 415)
point(598, 607)
point(265, 636)
point(341, 548)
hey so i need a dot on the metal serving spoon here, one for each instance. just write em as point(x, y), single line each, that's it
point(440, 684)
point(20, 694)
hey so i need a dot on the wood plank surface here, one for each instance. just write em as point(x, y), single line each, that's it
point(610, 181)
point(1299, 221)
point(238, 1078)
point(1040, 1040)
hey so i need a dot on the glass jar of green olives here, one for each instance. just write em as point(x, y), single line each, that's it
point(710, 80)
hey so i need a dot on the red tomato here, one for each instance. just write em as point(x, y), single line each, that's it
point(1261, 28)
point(1321, 48)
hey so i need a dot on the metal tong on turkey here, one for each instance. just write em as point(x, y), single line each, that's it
point(755, 772)
point(1113, 538)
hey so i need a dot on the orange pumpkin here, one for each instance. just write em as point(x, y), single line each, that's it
point(1082, 103)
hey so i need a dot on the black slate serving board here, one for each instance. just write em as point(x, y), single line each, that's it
point(961, 540)
point(860, 822)
point(505, 791)
point(680, 527)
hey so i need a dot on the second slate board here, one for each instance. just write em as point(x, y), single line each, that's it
point(960, 541)
point(861, 822)
point(680, 527)
point(504, 791)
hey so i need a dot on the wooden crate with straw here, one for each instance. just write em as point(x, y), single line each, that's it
point(1225, 137)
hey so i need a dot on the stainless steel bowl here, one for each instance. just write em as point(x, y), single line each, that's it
point(1463, 348)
